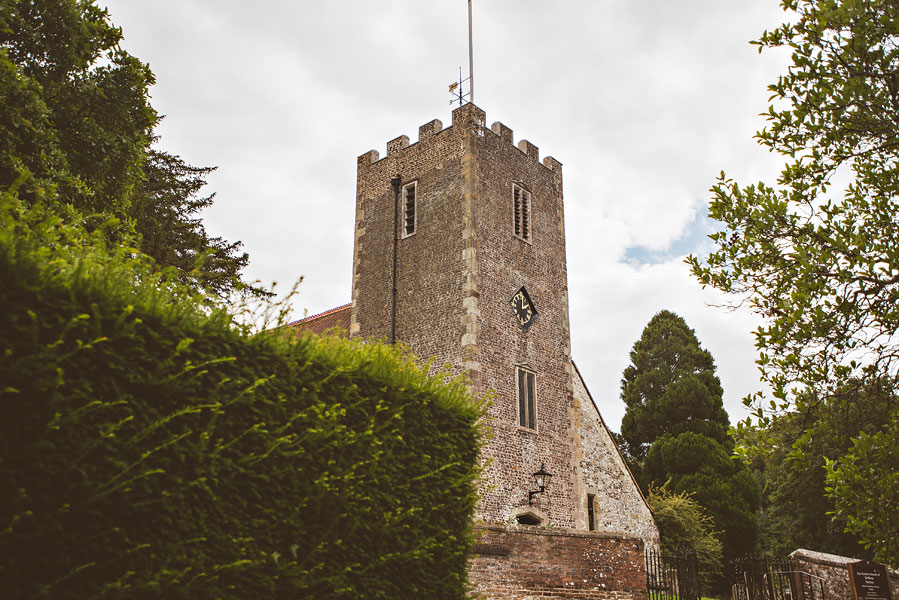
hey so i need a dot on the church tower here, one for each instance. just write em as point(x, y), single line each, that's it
point(460, 253)
point(478, 222)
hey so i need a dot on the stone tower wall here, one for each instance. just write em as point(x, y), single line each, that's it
point(455, 277)
point(429, 263)
point(506, 263)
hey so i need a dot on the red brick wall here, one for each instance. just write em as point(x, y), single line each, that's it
point(525, 562)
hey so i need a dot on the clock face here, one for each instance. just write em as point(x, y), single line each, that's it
point(523, 308)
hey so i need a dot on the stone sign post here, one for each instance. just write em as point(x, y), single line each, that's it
point(869, 581)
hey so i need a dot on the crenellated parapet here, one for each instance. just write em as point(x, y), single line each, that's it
point(465, 118)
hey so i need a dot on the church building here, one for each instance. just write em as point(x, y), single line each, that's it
point(459, 252)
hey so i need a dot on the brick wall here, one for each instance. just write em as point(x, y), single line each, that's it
point(525, 563)
point(835, 572)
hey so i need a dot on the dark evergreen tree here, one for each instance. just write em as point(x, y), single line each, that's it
point(675, 430)
point(164, 209)
point(716, 479)
point(670, 387)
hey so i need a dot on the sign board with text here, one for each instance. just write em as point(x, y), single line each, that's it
point(869, 581)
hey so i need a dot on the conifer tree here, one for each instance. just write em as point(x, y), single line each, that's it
point(675, 430)
point(670, 387)
point(164, 210)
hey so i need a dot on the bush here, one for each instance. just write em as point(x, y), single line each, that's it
point(684, 523)
point(150, 448)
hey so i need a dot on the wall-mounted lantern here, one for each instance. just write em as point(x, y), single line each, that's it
point(542, 478)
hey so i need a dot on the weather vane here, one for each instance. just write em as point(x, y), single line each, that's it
point(455, 88)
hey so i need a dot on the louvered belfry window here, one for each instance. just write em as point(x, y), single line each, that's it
point(527, 403)
point(521, 207)
point(409, 193)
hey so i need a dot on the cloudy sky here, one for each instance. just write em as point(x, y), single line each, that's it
point(643, 101)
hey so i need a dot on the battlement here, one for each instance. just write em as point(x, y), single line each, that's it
point(467, 115)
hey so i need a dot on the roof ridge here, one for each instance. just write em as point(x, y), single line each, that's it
point(321, 314)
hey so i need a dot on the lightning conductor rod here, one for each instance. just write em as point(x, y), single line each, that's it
point(470, 59)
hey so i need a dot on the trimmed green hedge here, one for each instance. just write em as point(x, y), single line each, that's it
point(151, 449)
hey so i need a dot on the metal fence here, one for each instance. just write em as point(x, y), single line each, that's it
point(672, 576)
point(762, 578)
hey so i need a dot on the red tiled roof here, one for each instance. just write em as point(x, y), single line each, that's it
point(320, 323)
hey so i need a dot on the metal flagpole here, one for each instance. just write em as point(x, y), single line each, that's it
point(470, 59)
